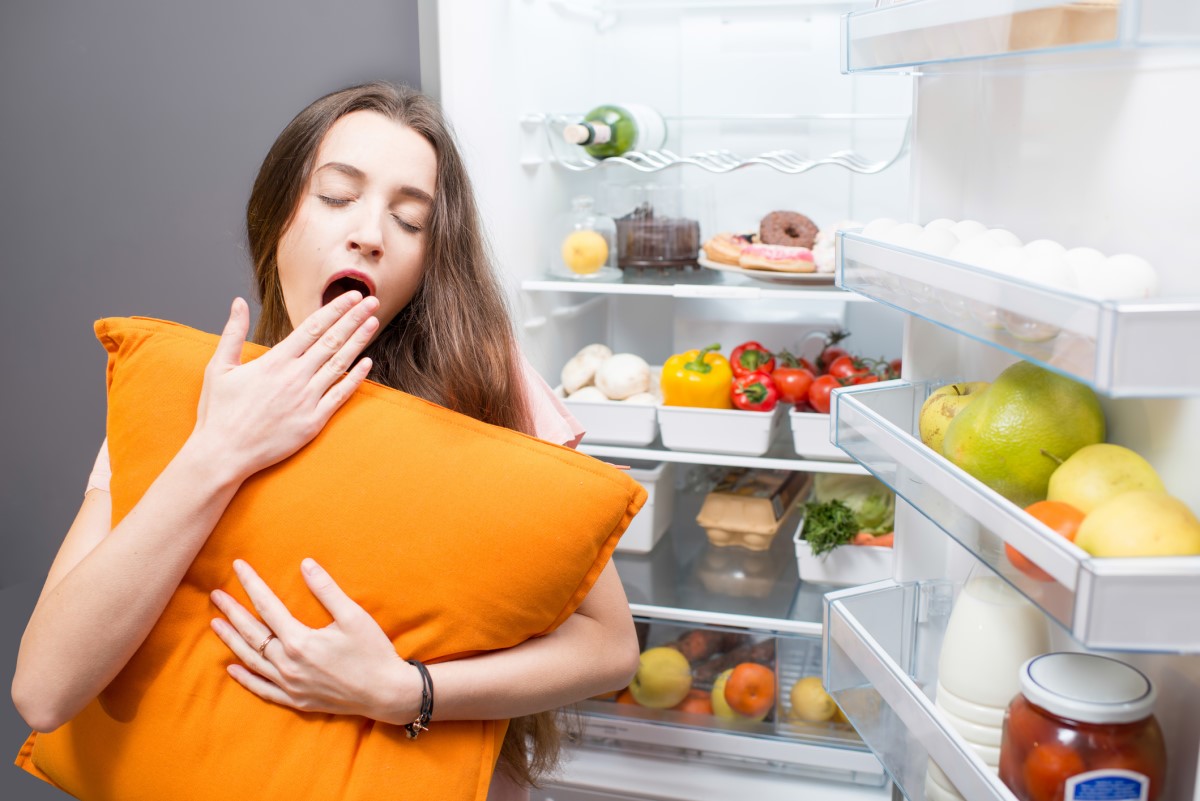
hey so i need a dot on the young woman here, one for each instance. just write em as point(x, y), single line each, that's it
point(368, 262)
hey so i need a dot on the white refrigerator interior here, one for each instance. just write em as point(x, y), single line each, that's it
point(914, 110)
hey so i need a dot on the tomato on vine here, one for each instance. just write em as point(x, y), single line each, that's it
point(818, 393)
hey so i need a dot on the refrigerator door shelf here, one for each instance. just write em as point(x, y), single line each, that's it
point(881, 647)
point(904, 36)
point(828, 749)
point(1105, 344)
point(1129, 604)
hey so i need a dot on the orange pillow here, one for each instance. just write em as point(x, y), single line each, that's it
point(457, 536)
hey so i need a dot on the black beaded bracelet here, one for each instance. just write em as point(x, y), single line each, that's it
point(426, 714)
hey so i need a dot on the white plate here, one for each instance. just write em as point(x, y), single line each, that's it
point(770, 276)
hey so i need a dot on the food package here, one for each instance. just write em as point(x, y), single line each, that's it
point(749, 506)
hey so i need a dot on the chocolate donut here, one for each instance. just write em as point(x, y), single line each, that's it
point(787, 228)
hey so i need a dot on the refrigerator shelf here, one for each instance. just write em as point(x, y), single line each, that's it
point(881, 647)
point(820, 750)
point(1101, 343)
point(781, 456)
point(686, 579)
point(553, 148)
point(1129, 604)
point(699, 283)
point(906, 36)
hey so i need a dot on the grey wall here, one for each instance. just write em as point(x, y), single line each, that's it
point(130, 134)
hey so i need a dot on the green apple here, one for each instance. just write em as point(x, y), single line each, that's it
point(663, 678)
point(940, 408)
point(721, 707)
point(1095, 473)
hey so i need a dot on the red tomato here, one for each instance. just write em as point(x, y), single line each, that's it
point(828, 356)
point(1062, 518)
point(793, 383)
point(818, 393)
point(865, 379)
point(848, 367)
point(1047, 769)
point(894, 368)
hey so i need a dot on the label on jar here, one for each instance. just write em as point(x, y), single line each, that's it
point(1107, 785)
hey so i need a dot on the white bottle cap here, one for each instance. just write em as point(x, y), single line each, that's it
point(1087, 688)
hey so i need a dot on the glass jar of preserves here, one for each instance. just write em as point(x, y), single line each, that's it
point(1082, 727)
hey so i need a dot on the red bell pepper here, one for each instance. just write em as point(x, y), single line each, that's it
point(751, 357)
point(754, 392)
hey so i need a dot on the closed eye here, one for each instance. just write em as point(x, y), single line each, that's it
point(333, 201)
point(407, 226)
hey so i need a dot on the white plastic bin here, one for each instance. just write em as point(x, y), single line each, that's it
point(810, 436)
point(845, 565)
point(732, 431)
point(654, 518)
point(610, 422)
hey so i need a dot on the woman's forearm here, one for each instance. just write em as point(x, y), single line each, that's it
point(87, 626)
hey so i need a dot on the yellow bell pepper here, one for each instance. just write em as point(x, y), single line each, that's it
point(697, 378)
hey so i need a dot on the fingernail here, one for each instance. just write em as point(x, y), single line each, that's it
point(239, 565)
point(215, 595)
point(310, 567)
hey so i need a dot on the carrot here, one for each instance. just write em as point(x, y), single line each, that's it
point(863, 538)
point(867, 538)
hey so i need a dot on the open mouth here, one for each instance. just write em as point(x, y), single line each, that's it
point(343, 284)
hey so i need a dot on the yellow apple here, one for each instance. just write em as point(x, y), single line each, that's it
point(584, 251)
point(940, 408)
point(663, 678)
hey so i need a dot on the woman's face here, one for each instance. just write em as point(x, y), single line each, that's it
point(362, 220)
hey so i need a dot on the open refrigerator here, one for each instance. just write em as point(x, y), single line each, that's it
point(1076, 122)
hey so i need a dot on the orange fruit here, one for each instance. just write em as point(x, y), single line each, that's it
point(750, 689)
point(626, 697)
point(697, 702)
point(1062, 518)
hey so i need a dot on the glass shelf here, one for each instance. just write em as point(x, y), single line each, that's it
point(1102, 343)
point(1127, 604)
point(553, 148)
point(687, 579)
point(881, 647)
point(911, 34)
point(698, 283)
point(781, 456)
point(829, 750)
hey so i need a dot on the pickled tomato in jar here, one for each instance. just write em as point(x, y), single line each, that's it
point(1082, 729)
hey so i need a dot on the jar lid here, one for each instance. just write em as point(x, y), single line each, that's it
point(1087, 688)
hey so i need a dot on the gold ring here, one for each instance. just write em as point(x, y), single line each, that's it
point(262, 647)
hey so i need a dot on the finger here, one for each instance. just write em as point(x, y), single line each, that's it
point(267, 604)
point(229, 347)
point(340, 605)
point(249, 628)
point(245, 653)
point(316, 324)
point(340, 392)
point(333, 348)
point(327, 374)
point(264, 689)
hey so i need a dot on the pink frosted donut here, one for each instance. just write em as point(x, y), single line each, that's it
point(777, 257)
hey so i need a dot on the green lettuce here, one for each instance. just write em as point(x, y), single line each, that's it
point(873, 504)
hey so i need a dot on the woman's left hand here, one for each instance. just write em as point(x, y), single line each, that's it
point(348, 668)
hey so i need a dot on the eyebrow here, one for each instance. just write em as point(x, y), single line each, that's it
point(351, 171)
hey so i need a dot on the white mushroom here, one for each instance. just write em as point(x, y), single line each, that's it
point(643, 398)
point(623, 375)
point(580, 371)
point(588, 395)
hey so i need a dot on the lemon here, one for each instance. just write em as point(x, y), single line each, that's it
point(1096, 473)
point(1140, 523)
point(584, 252)
point(810, 702)
point(1015, 433)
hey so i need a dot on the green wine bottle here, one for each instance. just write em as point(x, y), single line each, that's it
point(612, 130)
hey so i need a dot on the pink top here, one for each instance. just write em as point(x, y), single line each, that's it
point(551, 422)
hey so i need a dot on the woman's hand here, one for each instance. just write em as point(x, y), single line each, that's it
point(260, 413)
point(348, 668)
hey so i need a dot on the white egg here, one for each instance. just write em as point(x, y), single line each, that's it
point(875, 229)
point(938, 241)
point(1121, 277)
point(1044, 247)
point(939, 224)
point(903, 235)
point(973, 250)
point(1051, 271)
point(1003, 237)
point(1082, 261)
point(968, 229)
point(1007, 261)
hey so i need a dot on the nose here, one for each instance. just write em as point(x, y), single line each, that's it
point(366, 235)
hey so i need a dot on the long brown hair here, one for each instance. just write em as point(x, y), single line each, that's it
point(453, 344)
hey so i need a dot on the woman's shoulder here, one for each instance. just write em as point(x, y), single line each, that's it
point(552, 421)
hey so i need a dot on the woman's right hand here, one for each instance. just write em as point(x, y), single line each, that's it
point(259, 413)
